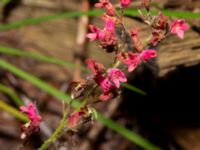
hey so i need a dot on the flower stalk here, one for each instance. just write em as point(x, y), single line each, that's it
point(130, 51)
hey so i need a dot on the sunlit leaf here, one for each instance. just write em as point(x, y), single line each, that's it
point(13, 111)
point(5, 89)
point(4, 2)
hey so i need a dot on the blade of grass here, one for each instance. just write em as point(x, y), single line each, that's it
point(4, 2)
point(132, 136)
point(132, 12)
point(40, 57)
point(42, 19)
point(13, 111)
point(35, 81)
point(12, 94)
point(133, 88)
point(61, 96)
point(169, 13)
point(180, 14)
point(37, 56)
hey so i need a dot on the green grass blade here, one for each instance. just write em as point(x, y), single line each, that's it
point(4, 2)
point(34, 80)
point(40, 57)
point(132, 12)
point(169, 13)
point(37, 56)
point(61, 96)
point(134, 137)
point(133, 88)
point(181, 14)
point(31, 21)
point(12, 94)
point(13, 111)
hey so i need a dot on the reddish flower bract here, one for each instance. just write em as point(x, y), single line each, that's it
point(30, 110)
point(178, 27)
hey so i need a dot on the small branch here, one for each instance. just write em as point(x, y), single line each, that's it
point(80, 51)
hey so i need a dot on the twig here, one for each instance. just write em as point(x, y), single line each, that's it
point(80, 51)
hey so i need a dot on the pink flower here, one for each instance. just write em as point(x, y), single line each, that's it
point(109, 8)
point(106, 36)
point(116, 76)
point(109, 90)
point(109, 25)
point(148, 54)
point(109, 39)
point(30, 110)
point(132, 60)
point(96, 33)
point(102, 3)
point(178, 27)
point(105, 84)
point(125, 3)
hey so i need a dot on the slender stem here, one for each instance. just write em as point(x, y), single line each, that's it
point(63, 107)
point(88, 96)
point(56, 134)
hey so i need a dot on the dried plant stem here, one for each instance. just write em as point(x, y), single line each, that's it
point(81, 42)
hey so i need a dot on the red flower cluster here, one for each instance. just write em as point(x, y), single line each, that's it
point(132, 60)
point(125, 3)
point(30, 110)
point(34, 120)
point(106, 36)
point(107, 81)
point(109, 8)
point(178, 27)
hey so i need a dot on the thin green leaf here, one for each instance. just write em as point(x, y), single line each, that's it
point(132, 136)
point(132, 12)
point(12, 94)
point(54, 92)
point(35, 81)
point(181, 14)
point(4, 2)
point(42, 19)
point(169, 13)
point(40, 57)
point(13, 111)
point(37, 56)
point(133, 88)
